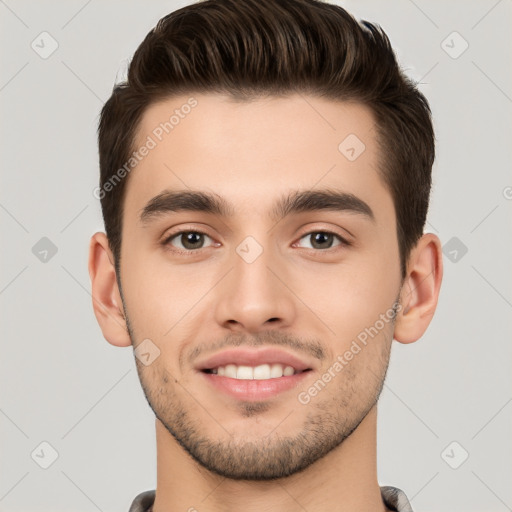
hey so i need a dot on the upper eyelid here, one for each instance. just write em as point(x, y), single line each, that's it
point(328, 231)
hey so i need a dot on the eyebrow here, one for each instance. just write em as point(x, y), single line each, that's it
point(294, 202)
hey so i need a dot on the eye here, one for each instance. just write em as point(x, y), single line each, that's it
point(191, 240)
point(323, 240)
point(187, 240)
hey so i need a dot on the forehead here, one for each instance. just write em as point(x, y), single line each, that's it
point(250, 151)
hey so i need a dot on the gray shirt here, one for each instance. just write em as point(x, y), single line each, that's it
point(394, 498)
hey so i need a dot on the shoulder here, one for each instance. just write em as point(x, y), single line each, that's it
point(143, 502)
point(395, 499)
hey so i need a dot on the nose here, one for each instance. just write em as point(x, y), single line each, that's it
point(255, 296)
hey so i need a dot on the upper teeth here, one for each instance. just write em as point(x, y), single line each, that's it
point(263, 371)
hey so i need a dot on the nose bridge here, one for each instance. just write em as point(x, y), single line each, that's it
point(253, 297)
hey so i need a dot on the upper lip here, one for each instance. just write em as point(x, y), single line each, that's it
point(254, 357)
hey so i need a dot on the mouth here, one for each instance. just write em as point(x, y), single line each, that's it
point(252, 375)
point(261, 372)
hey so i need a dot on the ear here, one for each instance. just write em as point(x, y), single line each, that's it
point(420, 290)
point(106, 299)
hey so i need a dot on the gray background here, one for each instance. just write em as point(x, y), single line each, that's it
point(63, 384)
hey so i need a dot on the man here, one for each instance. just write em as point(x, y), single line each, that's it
point(265, 179)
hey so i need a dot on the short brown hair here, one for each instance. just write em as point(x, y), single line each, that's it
point(252, 48)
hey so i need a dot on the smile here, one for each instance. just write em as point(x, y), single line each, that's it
point(260, 372)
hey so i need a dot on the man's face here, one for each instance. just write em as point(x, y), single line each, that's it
point(261, 285)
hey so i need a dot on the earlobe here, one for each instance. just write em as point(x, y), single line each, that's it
point(420, 291)
point(106, 299)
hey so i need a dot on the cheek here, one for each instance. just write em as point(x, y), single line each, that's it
point(351, 297)
point(158, 382)
point(165, 301)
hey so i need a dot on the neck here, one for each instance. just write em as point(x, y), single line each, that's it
point(342, 481)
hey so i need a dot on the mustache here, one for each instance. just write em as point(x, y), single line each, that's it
point(266, 338)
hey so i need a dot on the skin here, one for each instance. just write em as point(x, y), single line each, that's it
point(278, 453)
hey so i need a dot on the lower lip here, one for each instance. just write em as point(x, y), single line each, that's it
point(253, 389)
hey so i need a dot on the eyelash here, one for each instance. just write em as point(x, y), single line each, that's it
point(189, 252)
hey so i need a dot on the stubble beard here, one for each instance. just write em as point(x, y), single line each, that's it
point(328, 423)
